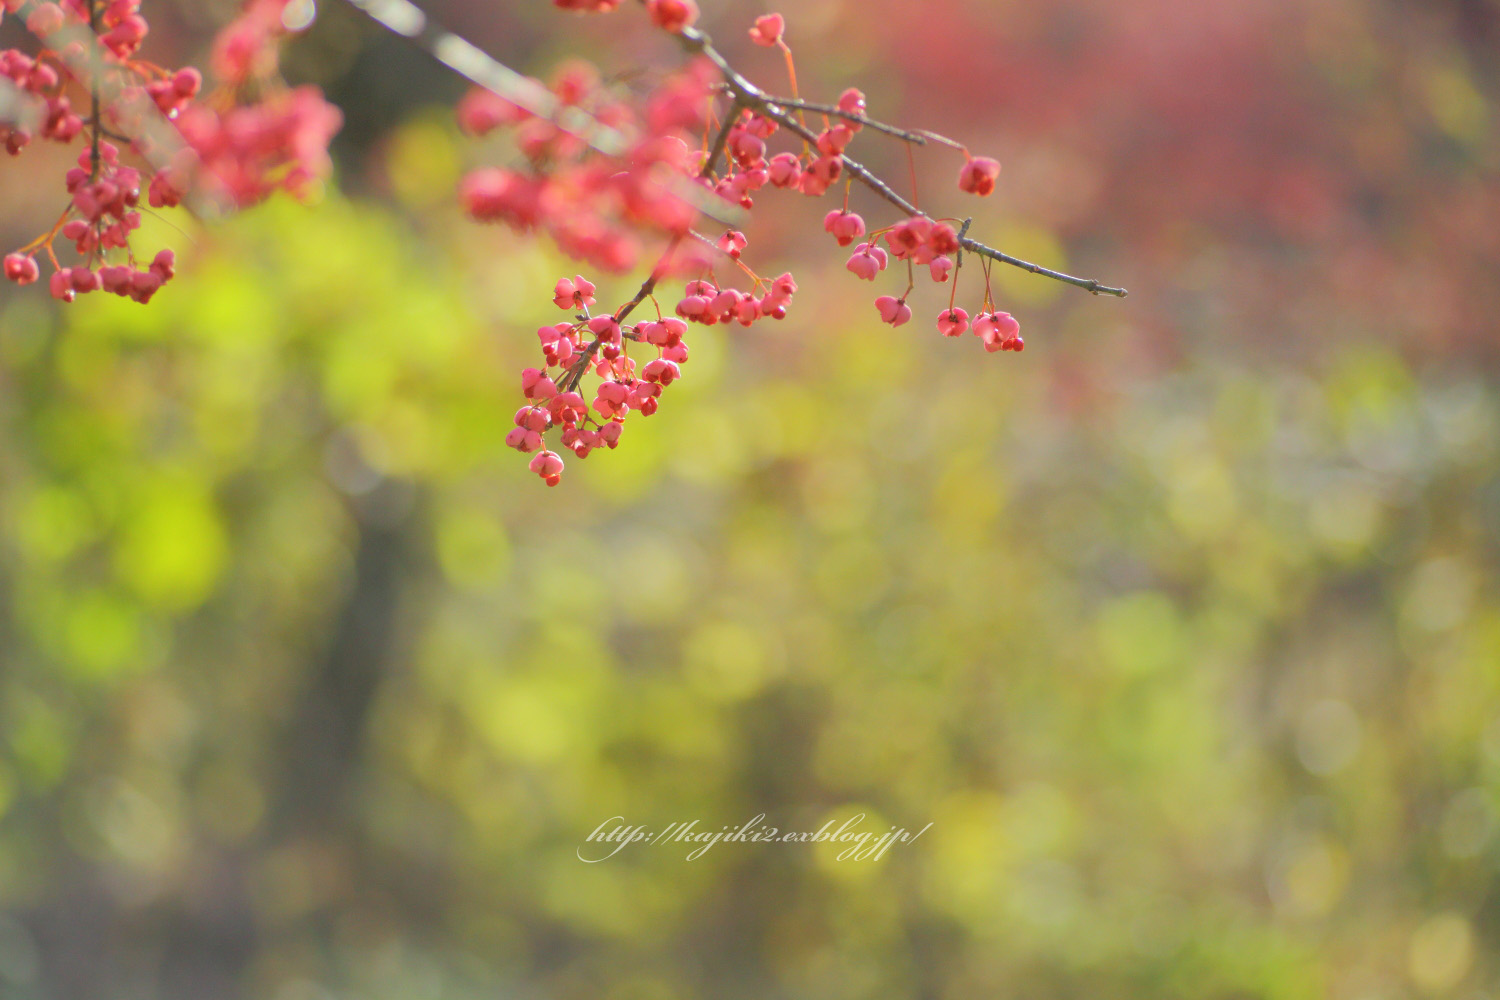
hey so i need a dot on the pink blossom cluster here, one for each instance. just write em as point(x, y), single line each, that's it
point(595, 206)
point(240, 155)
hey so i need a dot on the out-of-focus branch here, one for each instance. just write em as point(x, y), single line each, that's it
point(479, 67)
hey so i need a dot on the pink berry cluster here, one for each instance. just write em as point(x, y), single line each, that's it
point(103, 193)
point(41, 80)
point(239, 155)
point(921, 242)
point(602, 343)
point(247, 49)
point(254, 149)
point(250, 152)
point(577, 196)
point(103, 214)
point(812, 172)
point(595, 206)
point(45, 77)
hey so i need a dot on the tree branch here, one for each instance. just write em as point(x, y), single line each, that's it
point(409, 21)
point(915, 137)
point(748, 95)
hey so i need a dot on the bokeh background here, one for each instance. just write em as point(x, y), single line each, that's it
point(1182, 628)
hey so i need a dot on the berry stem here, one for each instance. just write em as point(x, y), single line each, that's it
point(958, 262)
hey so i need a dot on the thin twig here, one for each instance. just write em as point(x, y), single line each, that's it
point(916, 137)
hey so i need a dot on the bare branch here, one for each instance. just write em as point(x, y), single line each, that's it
point(917, 137)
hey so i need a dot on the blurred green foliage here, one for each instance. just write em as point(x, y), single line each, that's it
point(1194, 674)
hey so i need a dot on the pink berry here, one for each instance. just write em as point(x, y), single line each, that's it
point(523, 439)
point(952, 322)
point(44, 19)
point(996, 330)
point(567, 408)
point(909, 238)
point(768, 29)
point(536, 385)
point(846, 227)
point(785, 170)
point(84, 280)
point(852, 102)
point(606, 329)
point(61, 286)
point(187, 82)
point(833, 140)
point(663, 371)
point(143, 285)
point(732, 243)
point(893, 310)
point(566, 295)
point(115, 280)
point(868, 261)
point(943, 239)
point(548, 465)
point(978, 176)
point(164, 265)
point(821, 174)
point(672, 15)
point(21, 269)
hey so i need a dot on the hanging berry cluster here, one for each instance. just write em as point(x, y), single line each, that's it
point(150, 135)
point(626, 385)
point(590, 202)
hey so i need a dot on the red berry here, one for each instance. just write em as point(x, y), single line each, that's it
point(952, 322)
point(672, 15)
point(978, 176)
point(548, 465)
point(893, 310)
point(21, 269)
point(768, 29)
